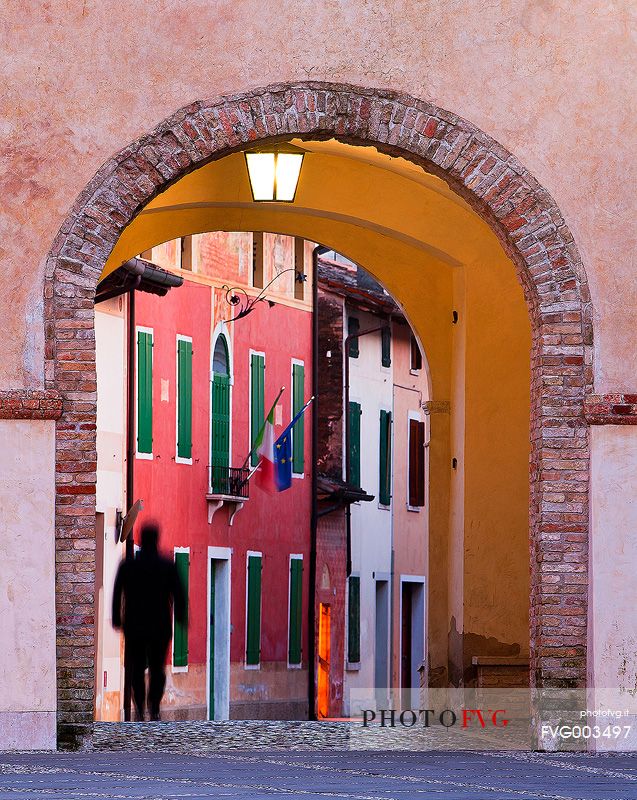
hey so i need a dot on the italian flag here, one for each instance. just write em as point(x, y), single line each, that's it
point(265, 450)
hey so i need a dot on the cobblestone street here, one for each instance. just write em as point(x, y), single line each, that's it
point(359, 775)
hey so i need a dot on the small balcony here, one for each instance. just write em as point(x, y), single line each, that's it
point(229, 486)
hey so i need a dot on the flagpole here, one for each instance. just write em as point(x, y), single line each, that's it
point(260, 434)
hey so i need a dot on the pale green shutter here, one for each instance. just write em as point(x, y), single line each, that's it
point(257, 400)
point(355, 444)
point(354, 620)
point(184, 398)
point(384, 483)
point(253, 611)
point(296, 603)
point(353, 326)
point(298, 432)
point(180, 636)
point(144, 392)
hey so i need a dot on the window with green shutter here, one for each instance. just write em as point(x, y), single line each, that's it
point(296, 604)
point(353, 327)
point(384, 483)
point(253, 611)
point(355, 443)
point(180, 635)
point(220, 422)
point(354, 619)
point(184, 398)
point(257, 400)
point(144, 392)
point(298, 431)
point(385, 339)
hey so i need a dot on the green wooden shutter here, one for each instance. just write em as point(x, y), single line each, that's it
point(353, 326)
point(180, 636)
point(355, 443)
point(184, 398)
point(298, 432)
point(354, 620)
point(296, 602)
point(384, 484)
point(257, 400)
point(253, 615)
point(220, 455)
point(386, 347)
point(144, 392)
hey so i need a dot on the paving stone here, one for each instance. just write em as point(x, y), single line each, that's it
point(361, 775)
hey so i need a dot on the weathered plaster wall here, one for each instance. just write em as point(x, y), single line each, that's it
point(546, 79)
point(496, 458)
point(613, 558)
point(27, 583)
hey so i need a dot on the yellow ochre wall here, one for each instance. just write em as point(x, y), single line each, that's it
point(435, 255)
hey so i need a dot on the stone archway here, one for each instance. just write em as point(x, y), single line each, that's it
point(530, 229)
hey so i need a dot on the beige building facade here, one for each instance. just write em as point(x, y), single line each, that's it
point(449, 149)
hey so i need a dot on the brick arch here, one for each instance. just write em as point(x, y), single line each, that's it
point(530, 228)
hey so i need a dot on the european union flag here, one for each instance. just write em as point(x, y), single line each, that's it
point(283, 453)
point(283, 460)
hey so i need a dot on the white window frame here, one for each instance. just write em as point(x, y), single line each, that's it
point(295, 557)
point(151, 331)
point(219, 554)
point(250, 354)
point(299, 362)
point(180, 337)
point(245, 643)
point(177, 670)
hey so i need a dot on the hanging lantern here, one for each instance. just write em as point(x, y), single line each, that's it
point(274, 172)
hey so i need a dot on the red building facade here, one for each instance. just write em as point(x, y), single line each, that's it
point(204, 384)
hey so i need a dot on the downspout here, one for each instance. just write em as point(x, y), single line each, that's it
point(312, 632)
point(130, 463)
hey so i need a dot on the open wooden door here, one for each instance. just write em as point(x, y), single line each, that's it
point(324, 662)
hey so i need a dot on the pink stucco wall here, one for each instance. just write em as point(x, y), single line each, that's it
point(548, 79)
point(82, 79)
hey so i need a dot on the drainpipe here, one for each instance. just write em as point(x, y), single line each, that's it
point(312, 633)
point(130, 463)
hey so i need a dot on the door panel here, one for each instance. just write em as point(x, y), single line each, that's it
point(324, 662)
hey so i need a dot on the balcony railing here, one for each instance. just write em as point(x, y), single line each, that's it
point(229, 481)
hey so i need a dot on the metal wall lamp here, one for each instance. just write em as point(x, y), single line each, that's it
point(274, 172)
point(243, 304)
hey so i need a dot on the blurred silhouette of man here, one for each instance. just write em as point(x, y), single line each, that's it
point(146, 589)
